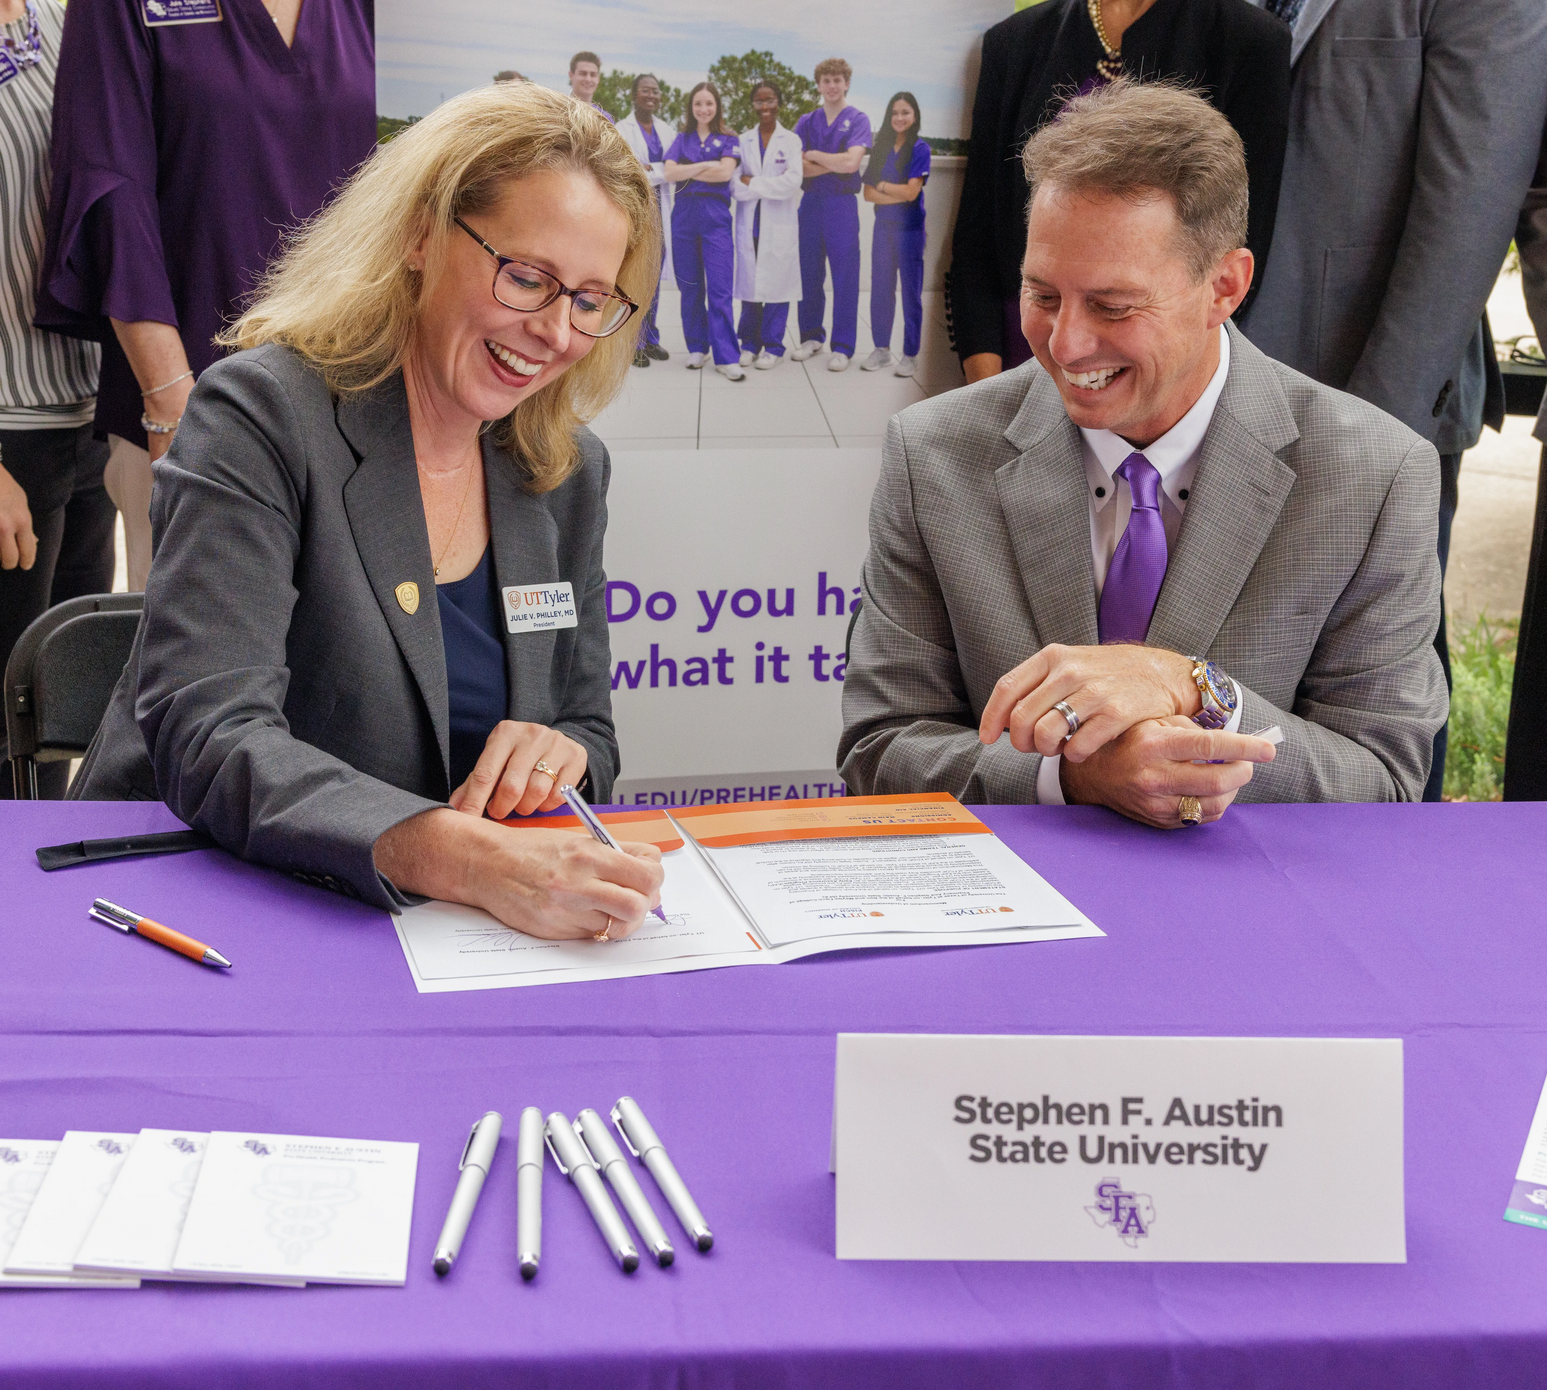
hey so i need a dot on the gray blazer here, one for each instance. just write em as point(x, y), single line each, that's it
point(1305, 566)
point(1414, 127)
point(279, 697)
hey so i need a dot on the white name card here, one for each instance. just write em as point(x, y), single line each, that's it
point(1068, 1148)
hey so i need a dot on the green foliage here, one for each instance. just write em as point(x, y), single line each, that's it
point(388, 126)
point(939, 144)
point(736, 77)
point(612, 95)
point(1482, 664)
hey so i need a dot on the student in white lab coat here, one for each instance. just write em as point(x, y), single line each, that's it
point(767, 193)
point(650, 137)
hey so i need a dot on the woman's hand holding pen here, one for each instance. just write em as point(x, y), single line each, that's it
point(552, 884)
point(520, 771)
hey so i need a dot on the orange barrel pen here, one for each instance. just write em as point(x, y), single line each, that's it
point(114, 916)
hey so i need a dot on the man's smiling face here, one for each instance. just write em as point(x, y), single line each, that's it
point(1114, 312)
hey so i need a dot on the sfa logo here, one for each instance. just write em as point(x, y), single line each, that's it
point(110, 1146)
point(184, 1146)
point(1130, 1214)
point(1539, 1196)
point(973, 911)
point(260, 1149)
point(9, 1156)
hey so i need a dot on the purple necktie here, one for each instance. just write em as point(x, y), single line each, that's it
point(1138, 567)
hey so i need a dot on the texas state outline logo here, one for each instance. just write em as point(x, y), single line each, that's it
point(1130, 1214)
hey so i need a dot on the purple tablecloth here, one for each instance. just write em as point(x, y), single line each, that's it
point(1419, 922)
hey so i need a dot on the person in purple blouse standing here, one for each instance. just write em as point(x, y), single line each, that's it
point(702, 162)
point(836, 139)
point(188, 136)
point(894, 182)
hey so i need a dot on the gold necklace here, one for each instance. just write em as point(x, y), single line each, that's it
point(456, 525)
point(1110, 67)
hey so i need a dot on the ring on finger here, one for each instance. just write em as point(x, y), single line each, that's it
point(1191, 810)
point(547, 771)
point(1070, 718)
point(603, 935)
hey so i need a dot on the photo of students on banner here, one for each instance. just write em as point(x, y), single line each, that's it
point(768, 195)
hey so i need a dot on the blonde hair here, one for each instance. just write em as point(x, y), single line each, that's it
point(1133, 140)
point(343, 296)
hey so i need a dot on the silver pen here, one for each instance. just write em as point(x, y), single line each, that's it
point(477, 1156)
point(598, 1139)
point(576, 1164)
point(577, 804)
point(645, 1144)
point(529, 1191)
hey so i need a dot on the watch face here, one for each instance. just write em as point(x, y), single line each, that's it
point(1219, 685)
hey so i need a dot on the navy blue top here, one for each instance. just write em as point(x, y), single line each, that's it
point(474, 638)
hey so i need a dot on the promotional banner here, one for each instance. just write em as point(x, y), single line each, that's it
point(740, 487)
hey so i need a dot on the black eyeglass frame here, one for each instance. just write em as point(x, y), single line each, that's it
point(500, 262)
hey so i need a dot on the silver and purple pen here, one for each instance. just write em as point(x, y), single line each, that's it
point(577, 804)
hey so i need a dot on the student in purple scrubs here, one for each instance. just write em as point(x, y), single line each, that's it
point(188, 136)
point(702, 162)
point(894, 182)
point(585, 76)
point(836, 138)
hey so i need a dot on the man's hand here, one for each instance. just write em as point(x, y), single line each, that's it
point(1110, 688)
point(1146, 771)
point(18, 543)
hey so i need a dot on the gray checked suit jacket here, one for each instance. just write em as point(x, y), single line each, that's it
point(1413, 130)
point(1305, 566)
point(279, 696)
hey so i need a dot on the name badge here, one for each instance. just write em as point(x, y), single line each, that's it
point(1126, 1149)
point(539, 607)
point(159, 14)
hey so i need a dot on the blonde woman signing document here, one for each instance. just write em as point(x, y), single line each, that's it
point(377, 611)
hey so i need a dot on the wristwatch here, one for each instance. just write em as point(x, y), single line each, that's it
point(1218, 692)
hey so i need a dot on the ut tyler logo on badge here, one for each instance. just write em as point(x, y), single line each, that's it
point(1130, 1214)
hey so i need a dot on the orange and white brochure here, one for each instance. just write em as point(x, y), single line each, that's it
point(765, 883)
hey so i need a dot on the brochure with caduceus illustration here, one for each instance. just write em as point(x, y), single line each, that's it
point(329, 1211)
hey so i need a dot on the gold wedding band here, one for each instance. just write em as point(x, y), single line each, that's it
point(603, 935)
point(1191, 810)
point(547, 771)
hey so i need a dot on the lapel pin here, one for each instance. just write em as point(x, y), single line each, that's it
point(408, 597)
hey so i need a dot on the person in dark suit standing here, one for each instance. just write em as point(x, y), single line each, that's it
point(1416, 127)
point(1525, 750)
point(1237, 57)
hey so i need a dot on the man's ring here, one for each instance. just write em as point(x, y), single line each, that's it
point(1191, 810)
point(603, 935)
point(545, 770)
point(1070, 718)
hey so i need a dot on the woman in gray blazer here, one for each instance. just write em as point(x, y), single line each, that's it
point(377, 607)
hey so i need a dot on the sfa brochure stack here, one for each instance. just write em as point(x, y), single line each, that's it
point(766, 883)
point(105, 1210)
point(1528, 1197)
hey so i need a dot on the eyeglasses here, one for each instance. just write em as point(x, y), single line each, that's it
point(527, 289)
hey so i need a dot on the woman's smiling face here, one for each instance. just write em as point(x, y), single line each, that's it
point(472, 356)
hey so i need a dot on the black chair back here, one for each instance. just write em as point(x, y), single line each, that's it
point(59, 680)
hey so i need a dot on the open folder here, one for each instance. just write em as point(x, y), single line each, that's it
point(764, 883)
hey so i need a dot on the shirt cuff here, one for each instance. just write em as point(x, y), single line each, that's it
point(1050, 791)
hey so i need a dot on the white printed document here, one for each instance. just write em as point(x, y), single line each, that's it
point(138, 1228)
point(52, 1194)
point(1527, 1204)
point(767, 883)
point(286, 1206)
point(23, 1162)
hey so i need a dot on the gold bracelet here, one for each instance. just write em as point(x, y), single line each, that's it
point(157, 390)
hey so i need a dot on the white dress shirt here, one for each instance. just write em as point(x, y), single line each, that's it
point(1175, 457)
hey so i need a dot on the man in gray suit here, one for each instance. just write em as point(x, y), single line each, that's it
point(1151, 538)
point(1414, 127)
